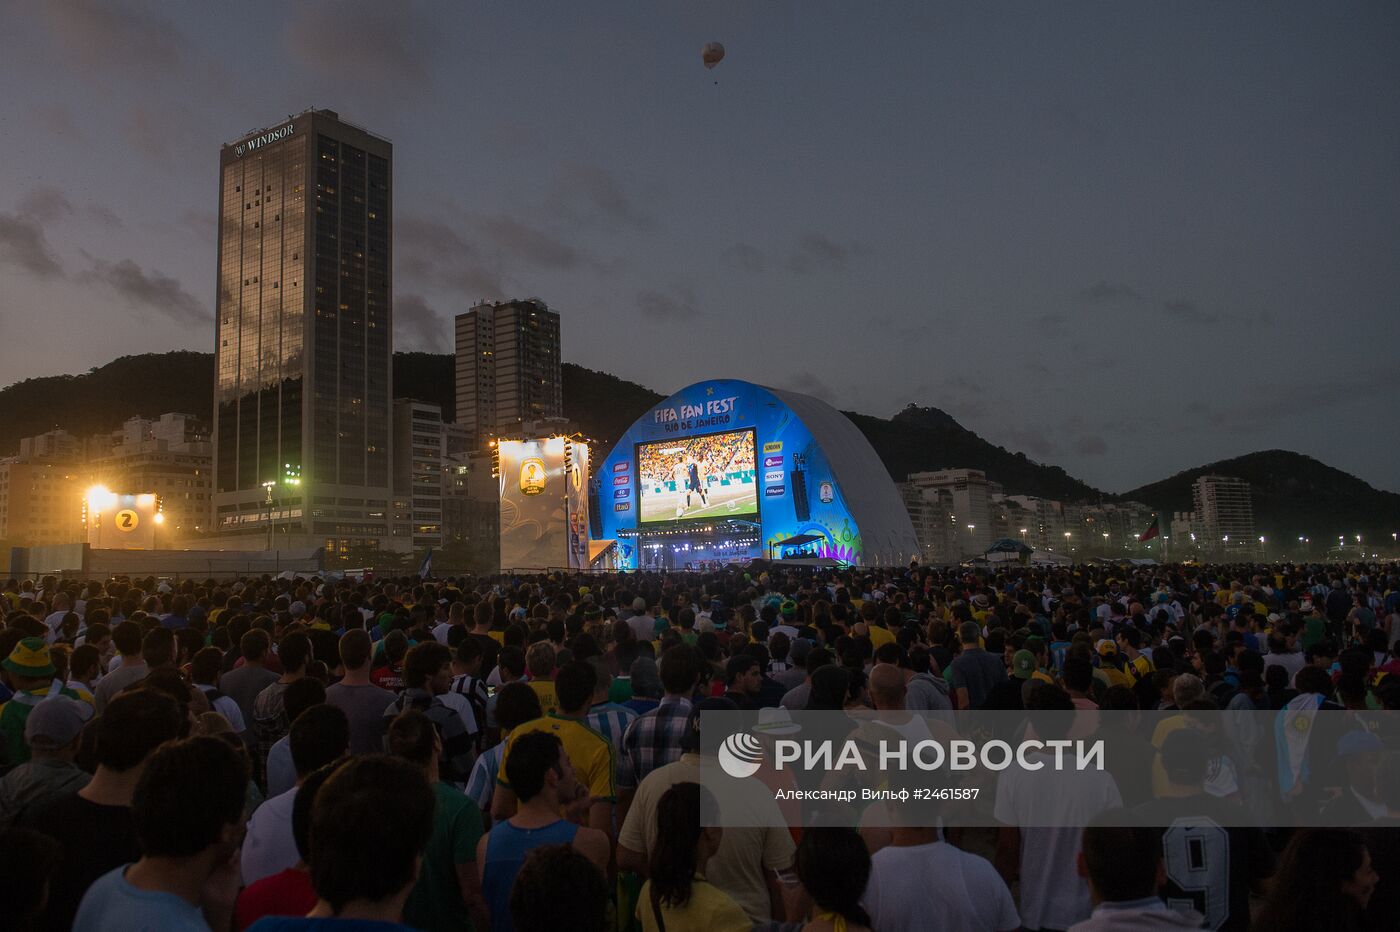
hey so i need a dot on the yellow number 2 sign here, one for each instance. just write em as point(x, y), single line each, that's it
point(127, 520)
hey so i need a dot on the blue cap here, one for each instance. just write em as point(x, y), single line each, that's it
point(1358, 742)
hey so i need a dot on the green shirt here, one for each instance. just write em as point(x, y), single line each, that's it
point(436, 901)
point(1314, 630)
point(621, 690)
point(13, 715)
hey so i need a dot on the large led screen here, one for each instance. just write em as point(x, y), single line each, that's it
point(713, 476)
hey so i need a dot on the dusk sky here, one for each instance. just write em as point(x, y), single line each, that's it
point(1125, 238)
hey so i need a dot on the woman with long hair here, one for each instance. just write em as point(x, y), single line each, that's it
point(676, 895)
point(834, 867)
point(1324, 881)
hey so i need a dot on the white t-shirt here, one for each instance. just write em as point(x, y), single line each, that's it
point(1053, 895)
point(463, 707)
point(228, 708)
point(937, 886)
point(269, 847)
point(54, 622)
point(1292, 661)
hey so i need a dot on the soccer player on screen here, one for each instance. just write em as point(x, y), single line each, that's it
point(693, 483)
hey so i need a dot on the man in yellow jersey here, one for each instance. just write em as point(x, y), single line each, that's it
point(592, 756)
point(539, 663)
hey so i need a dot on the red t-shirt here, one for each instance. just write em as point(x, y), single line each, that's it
point(387, 677)
point(286, 894)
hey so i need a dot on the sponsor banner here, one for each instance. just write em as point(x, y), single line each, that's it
point(773, 446)
point(620, 467)
point(579, 459)
point(534, 483)
point(619, 480)
point(773, 475)
point(771, 461)
point(621, 493)
point(773, 491)
point(1041, 769)
point(622, 506)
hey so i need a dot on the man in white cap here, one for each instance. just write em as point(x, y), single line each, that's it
point(642, 623)
point(52, 732)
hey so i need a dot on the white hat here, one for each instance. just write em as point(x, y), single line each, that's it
point(776, 721)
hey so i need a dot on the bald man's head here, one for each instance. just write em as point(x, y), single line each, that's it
point(887, 686)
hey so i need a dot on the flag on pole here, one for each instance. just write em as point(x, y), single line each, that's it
point(1152, 531)
point(426, 569)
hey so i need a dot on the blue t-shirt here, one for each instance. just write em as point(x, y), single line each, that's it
point(112, 903)
point(506, 848)
point(328, 924)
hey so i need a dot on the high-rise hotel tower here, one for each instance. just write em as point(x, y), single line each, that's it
point(302, 395)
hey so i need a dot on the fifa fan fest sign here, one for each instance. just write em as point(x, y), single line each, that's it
point(731, 471)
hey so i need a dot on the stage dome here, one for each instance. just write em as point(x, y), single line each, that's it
point(726, 470)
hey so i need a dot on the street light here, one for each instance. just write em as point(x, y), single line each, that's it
point(99, 499)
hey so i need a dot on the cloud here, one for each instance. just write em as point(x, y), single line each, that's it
point(57, 120)
point(147, 133)
point(659, 306)
point(890, 327)
point(1051, 323)
point(148, 290)
point(104, 215)
point(1191, 313)
point(1288, 402)
point(588, 192)
point(961, 397)
point(372, 43)
point(24, 246)
point(114, 36)
point(478, 254)
point(1032, 440)
point(431, 252)
point(47, 204)
point(817, 252)
point(533, 245)
point(425, 327)
point(813, 252)
point(1102, 292)
point(745, 258)
point(1090, 445)
point(200, 222)
point(809, 384)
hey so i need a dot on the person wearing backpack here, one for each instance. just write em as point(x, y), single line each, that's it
point(469, 687)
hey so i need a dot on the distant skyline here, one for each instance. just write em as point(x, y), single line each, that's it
point(1125, 239)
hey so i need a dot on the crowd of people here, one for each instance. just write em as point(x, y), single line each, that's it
point(524, 752)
